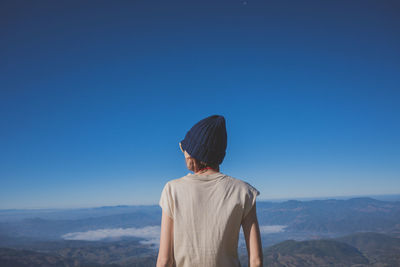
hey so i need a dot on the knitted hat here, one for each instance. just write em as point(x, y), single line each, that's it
point(206, 140)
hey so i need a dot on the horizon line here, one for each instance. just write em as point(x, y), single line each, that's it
point(382, 197)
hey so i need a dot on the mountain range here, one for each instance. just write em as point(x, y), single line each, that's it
point(321, 218)
point(357, 250)
point(353, 232)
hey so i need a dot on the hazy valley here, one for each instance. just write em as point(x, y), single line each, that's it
point(354, 232)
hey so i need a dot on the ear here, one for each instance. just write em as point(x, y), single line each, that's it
point(186, 154)
point(190, 163)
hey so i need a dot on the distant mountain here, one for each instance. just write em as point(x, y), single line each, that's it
point(332, 216)
point(313, 253)
point(53, 229)
point(357, 250)
point(378, 248)
point(79, 254)
point(24, 258)
point(302, 219)
point(12, 215)
point(126, 252)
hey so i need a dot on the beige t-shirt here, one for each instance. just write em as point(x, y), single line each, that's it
point(207, 211)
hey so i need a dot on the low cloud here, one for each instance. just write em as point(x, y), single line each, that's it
point(153, 242)
point(150, 233)
point(272, 229)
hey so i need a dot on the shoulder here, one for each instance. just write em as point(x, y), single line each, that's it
point(241, 185)
point(238, 182)
point(174, 182)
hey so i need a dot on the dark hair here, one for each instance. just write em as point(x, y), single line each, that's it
point(195, 165)
point(201, 164)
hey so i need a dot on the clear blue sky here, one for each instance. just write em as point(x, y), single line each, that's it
point(96, 95)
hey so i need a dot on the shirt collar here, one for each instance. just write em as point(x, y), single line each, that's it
point(205, 177)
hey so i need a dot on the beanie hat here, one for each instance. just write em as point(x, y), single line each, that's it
point(207, 140)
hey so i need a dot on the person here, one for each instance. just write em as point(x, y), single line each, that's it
point(202, 212)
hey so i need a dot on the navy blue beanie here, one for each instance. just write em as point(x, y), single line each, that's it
point(206, 140)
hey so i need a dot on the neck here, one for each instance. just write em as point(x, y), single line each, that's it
point(207, 170)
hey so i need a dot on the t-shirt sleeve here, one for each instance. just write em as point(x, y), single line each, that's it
point(250, 199)
point(166, 200)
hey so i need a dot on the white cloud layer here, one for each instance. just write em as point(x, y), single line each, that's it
point(272, 229)
point(151, 233)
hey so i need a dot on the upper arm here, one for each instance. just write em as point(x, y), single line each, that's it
point(165, 253)
point(252, 235)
